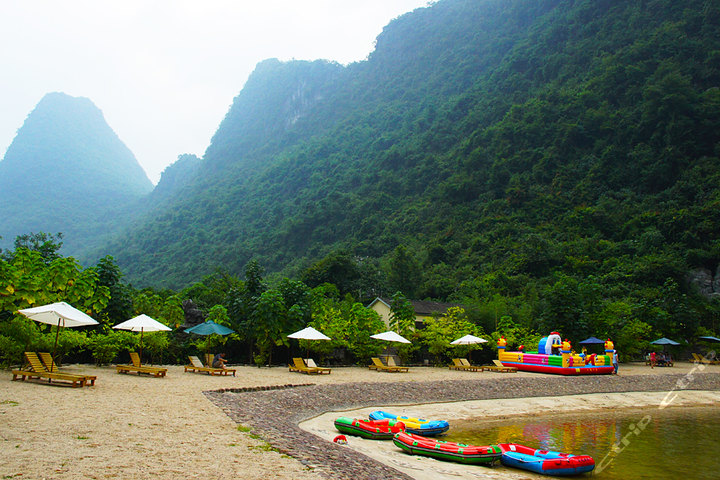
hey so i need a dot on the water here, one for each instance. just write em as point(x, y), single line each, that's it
point(629, 444)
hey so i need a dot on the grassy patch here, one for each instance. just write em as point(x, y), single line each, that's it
point(10, 402)
point(264, 447)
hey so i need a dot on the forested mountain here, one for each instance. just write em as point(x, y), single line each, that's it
point(515, 139)
point(67, 171)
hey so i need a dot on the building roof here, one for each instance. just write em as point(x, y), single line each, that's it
point(421, 307)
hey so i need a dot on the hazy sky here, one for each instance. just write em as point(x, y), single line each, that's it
point(165, 72)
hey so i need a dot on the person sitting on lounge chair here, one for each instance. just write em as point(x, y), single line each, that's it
point(661, 360)
point(219, 360)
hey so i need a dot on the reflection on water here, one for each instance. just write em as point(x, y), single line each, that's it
point(628, 444)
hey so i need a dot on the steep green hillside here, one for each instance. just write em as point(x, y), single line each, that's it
point(67, 171)
point(504, 142)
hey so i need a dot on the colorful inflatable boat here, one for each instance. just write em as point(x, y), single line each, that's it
point(555, 356)
point(419, 426)
point(544, 461)
point(450, 451)
point(373, 429)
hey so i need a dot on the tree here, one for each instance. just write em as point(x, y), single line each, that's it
point(338, 268)
point(242, 303)
point(270, 322)
point(120, 305)
point(440, 331)
point(402, 315)
point(46, 244)
point(402, 321)
point(348, 324)
point(212, 289)
point(405, 273)
point(28, 280)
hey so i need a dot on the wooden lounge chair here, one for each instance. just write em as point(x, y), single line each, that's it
point(138, 368)
point(209, 359)
point(381, 367)
point(498, 367)
point(697, 358)
point(311, 364)
point(51, 366)
point(197, 366)
point(395, 367)
point(300, 367)
point(35, 369)
point(376, 364)
point(457, 364)
point(463, 364)
point(468, 366)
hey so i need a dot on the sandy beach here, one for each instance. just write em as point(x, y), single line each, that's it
point(191, 425)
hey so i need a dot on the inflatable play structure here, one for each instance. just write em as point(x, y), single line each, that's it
point(555, 356)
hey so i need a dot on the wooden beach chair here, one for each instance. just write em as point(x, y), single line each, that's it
point(311, 364)
point(498, 367)
point(138, 368)
point(48, 362)
point(209, 359)
point(457, 365)
point(463, 364)
point(197, 366)
point(395, 367)
point(35, 369)
point(468, 366)
point(377, 364)
point(300, 367)
point(707, 361)
point(52, 366)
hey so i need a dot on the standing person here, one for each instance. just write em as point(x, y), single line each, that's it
point(615, 361)
point(219, 360)
point(653, 359)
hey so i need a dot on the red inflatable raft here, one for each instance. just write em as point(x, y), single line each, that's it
point(373, 429)
point(454, 452)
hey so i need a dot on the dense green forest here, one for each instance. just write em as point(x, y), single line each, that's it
point(495, 136)
point(261, 314)
point(549, 164)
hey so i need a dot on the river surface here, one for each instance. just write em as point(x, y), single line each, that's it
point(649, 443)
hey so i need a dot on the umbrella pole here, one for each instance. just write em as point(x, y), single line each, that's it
point(52, 359)
point(141, 336)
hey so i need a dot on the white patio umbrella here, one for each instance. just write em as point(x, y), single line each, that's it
point(308, 333)
point(390, 336)
point(468, 340)
point(142, 323)
point(60, 314)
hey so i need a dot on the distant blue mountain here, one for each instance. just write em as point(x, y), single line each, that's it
point(67, 171)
